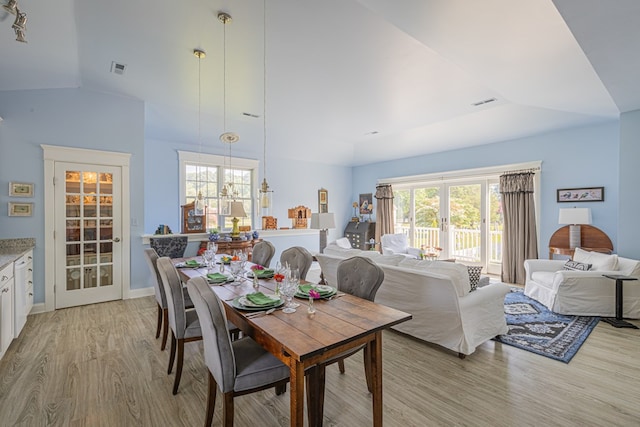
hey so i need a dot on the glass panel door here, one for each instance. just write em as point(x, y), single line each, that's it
point(495, 228)
point(427, 218)
point(465, 222)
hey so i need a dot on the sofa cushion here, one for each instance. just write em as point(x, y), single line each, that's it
point(576, 266)
point(598, 261)
point(629, 267)
point(474, 276)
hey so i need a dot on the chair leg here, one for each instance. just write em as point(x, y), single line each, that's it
point(341, 366)
point(172, 355)
point(159, 323)
point(281, 389)
point(227, 409)
point(367, 369)
point(176, 381)
point(165, 330)
point(211, 400)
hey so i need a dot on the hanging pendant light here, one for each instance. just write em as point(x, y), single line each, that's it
point(199, 204)
point(265, 193)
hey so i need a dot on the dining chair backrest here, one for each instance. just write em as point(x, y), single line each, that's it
point(297, 257)
point(172, 247)
point(175, 297)
point(151, 257)
point(360, 276)
point(218, 351)
point(262, 253)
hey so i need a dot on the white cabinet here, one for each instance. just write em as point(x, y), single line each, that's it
point(23, 292)
point(6, 308)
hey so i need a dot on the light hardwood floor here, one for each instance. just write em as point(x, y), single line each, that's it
point(100, 365)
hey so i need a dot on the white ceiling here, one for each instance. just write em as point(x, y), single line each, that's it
point(338, 70)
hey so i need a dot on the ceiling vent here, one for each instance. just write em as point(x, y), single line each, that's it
point(253, 116)
point(486, 101)
point(117, 68)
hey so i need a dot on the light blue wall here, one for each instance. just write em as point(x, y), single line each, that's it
point(579, 157)
point(72, 118)
point(629, 210)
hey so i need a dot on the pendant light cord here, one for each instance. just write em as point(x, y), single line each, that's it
point(264, 96)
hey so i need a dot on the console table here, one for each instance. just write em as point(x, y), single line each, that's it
point(591, 239)
point(234, 245)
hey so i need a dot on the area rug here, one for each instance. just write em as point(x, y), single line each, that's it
point(534, 328)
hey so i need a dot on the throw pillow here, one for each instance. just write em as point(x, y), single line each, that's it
point(598, 261)
point(474, 276)
point(576, 266)
point(343, 243)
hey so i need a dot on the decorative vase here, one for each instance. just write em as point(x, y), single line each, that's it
point(213, 237)
point(256, 234)
point(311, 308)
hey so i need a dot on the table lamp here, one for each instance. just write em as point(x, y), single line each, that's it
point(574, 217)
point(322, 222)
point(236, 211)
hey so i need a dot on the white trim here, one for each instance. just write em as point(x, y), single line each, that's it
point(140, 293)
point(52, 154)
point(38, 308)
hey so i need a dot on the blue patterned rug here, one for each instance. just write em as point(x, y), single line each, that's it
point(534, 328)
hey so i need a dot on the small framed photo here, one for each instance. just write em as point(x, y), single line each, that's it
point(323, 201)
point(590, 194)
point(20, 189)
point(366, 203)
point(20, 209)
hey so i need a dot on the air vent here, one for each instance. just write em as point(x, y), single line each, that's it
point(117, 68)
point(253, 116)
point(486, 101)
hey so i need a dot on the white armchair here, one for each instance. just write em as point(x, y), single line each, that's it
point(398, 244)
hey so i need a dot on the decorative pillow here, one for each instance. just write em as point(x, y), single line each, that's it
point(474, 276)
point(343, 243)
point(598, 261)
point(576, 266)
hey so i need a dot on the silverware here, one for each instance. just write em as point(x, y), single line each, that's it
point(335, 296)
point(260, 313)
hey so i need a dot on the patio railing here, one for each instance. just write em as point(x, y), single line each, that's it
point(465, 244)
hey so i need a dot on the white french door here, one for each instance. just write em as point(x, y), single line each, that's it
point(88, 224)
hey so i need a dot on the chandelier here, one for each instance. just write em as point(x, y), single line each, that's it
point(20, 23)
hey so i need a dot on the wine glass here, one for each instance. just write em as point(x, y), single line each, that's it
point(208, 257)
point(289, 289)
point(294, 279)
point(236, 268)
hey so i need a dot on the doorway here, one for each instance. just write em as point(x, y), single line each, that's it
point(87, 252)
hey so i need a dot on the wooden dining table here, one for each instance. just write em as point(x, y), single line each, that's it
point(303, 341)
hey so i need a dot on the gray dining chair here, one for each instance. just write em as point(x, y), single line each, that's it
point(297, 257)
point(236, 367)
point(263, 253)
point(151, 257)
point(360, 277)
point(172, 246)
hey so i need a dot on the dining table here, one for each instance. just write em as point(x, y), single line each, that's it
point(303, 340)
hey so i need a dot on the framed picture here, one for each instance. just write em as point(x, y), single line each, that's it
point(20, 189)
point(20, 209)
point(366, 203)
point(323, 201)
point(590, 194)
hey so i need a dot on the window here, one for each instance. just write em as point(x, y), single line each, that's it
point(207, 173)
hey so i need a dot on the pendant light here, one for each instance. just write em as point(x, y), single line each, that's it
point(265, 193)
point(199, 205)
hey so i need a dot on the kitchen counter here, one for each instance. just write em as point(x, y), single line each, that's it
point(12, 249)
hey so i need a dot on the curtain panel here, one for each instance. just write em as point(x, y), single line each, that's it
point(384, 211)
point(519, 237)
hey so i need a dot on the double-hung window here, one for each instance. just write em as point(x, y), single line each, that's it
point(209, 174)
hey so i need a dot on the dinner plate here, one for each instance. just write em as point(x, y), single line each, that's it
point(237, 304)
point(324, 290)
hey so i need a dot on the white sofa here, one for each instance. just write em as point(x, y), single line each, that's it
point(584, 293)
point(436, 293)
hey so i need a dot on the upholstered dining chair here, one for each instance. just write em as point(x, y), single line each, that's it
point(151, 257)
point(236, 367)
point(262, 253)
point(172, 246)
point(297, 257)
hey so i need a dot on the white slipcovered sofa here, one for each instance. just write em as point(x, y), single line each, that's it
point(584, 293)
point(436, 293)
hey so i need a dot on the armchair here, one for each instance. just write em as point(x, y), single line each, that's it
point(398, 244)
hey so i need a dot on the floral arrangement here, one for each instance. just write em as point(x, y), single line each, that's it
point(257, 267)
point(314, 294)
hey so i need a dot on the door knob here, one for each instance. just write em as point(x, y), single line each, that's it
point(117, 239)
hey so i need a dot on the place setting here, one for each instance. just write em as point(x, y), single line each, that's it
point(258, 302)
point(191, 263)
point(325, 292)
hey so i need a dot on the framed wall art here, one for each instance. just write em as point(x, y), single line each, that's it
point(20, 209)
point(20, 189)
point(589, 194)
point(323, 201)
point(366, 203)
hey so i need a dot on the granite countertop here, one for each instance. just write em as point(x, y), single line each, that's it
point(12, 249)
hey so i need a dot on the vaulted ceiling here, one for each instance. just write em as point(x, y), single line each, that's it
point(348, 82)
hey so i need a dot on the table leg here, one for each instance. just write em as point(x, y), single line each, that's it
point(375, 350)
point(297, 393)
point(619, 299)
point(618, 321)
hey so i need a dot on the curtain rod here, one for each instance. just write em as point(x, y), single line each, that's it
point(515, 172)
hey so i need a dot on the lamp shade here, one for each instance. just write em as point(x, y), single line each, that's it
point(322, 221)
point(575, 216)
point(237, 210)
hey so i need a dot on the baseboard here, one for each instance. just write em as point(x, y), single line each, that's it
point(139, 293)
point(37, 308)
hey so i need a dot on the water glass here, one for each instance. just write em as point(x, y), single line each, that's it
point(289, 289)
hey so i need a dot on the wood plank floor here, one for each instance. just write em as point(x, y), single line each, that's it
point(100, 365)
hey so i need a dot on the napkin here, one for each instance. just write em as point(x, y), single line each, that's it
point(263, 273)
point(306, 288)
point(258, 298)
point(217, 278)
point(192, 263)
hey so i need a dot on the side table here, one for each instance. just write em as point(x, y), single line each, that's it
point(617, 321)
